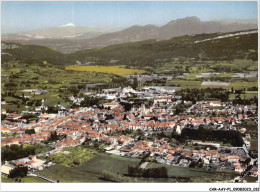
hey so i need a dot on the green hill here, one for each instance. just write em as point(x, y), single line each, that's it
point(35, 53)
point(152, 52)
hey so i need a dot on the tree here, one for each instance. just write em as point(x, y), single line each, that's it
point(19, 171)
point(135, 84)
point(14, 147)
point(187, 69)
point(3, 117)
point(76, 162)
point(247, 161)
point(30, 131)
point(53, 136)
point(52, 109)
point(192, 164)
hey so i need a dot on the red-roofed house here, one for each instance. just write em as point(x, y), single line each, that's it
point(14, 116)
point(110, 105)
point(233, 159)
point(238, 167)
point(215, 103)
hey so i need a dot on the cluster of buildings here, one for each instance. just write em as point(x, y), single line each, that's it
point(235, 159)
point(76, 100)
point(148, 92)
point(32, 162)
point(152, 77)
point(98, 124)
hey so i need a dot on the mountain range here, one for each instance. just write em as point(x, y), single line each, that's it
point(145, 54)
point(66, 31)
point(70, 38)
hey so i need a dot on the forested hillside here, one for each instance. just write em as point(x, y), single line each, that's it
point(146, 53)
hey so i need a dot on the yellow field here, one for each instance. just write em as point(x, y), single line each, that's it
point(116, 70)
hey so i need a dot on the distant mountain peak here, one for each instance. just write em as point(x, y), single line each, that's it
point(68, 25)
point(192, 19)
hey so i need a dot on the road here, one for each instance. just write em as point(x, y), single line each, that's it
point(44, 177)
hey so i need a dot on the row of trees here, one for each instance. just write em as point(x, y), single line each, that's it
point(54, 137)
point(19, 171)
point(30, 117)
point(244, 101)
point(16, 152)
point(226, 136)
point(90, 101)
point(194, 164)
point(116, 177)
point(99, 146)
point(160, 172)
point(216, 94)
point(30, 131)
point(202, 94)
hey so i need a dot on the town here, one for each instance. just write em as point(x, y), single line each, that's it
point(163, 128)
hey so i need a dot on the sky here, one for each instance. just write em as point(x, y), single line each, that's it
point(28, 15)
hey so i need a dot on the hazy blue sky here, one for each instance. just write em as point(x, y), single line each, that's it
point(26, 16)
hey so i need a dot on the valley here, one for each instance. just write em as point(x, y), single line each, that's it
point(106, 111)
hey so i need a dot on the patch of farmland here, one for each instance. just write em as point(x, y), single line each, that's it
point(70, 174)
point(26, 179)
point(174, 171)
point(246, 74)
point(206, 75)
point(108, 162)
point(116, 70)
point(90, 171)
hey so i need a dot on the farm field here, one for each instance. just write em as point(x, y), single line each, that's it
point(116, 70)
point(193, 82)
point(196, 175)
point(91, 170)
point(69, 174)
point(27, 179)
point(174, 171)
point(184, 83)
point(77, 175)
point(243, 84)
point(108, 162)
point(207, 74)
